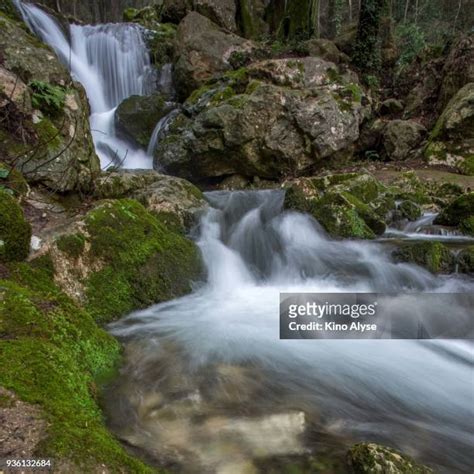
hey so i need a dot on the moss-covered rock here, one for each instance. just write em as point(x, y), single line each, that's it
point(400, 137)
point(120, 257)
point(137, 116)
point(51, 144)
point(15, 231)
point(465, 260)
point(11, 179)
point(451, 141)
point(410, 210)
point(434, 256)
point(53, 355)
point(457, 211)
point(347, 205)
point(371, 458)
point(173, 199)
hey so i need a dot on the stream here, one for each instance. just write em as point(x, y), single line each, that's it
point(208, 386)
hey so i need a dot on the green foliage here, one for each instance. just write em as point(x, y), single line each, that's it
point(51, 355)
point(434, 256)
point(15, 231)
point(411, 41)
point(72, 245)
point(47, 98)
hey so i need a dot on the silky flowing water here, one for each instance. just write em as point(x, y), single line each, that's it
point(112, 62)
point(207, 386)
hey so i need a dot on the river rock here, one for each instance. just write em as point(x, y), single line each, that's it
point(452, 140)
point(137, 116)
point(119, 257)
point(203, 50)
point(400, 137)
point(459, 212)
point(272, 119)
point(391, 106)
point(347, 205)
point(434, 256)
point(371, 458)
point(15, 231)
point(51, 145)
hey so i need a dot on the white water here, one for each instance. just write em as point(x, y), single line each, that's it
point(414, 395)
point(112, 63)
point(161, 128)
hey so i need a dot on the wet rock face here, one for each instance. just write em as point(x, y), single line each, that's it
point(269, 120)
point(372, 458)
point(45, 126)
point(452, 139)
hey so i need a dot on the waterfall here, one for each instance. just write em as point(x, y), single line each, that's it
point(112, 63)
point(412, 395)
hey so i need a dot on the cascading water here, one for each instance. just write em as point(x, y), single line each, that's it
point(208, 386)
point(112, 63)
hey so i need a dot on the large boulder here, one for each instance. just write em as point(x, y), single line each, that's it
point(120, 257)
point(371, 458)
point(272, 119)
point(452, 140)
point(137, 116)
point(203, 50)
point(221, 12)
point(173, 199)
point(400, 137)
point(15, 231)
point(326, 49)
point(46, 128)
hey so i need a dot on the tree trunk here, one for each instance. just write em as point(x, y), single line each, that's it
point(366, 52)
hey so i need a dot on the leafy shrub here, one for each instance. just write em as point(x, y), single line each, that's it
point(411, 40)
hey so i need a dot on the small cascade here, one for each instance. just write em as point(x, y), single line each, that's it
point(161, 128)
point(112, 63)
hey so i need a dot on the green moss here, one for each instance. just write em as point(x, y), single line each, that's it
point(434, 256)
point(370, 458)
point(410, 210)
point(465, 259)
point(199, 93)
point(48, 134)
point(15, 231)
point(51, 355)
point(126, 238)
point(72, 245)
point(467, 226)
point(457, 211)
point(13, 180)
point(467, 165)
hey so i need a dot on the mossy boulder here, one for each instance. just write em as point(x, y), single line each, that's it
point(434, 256)
point(465, 260)
point(410, 210)
point(53, 355)
point(451, 141)
point(325, 49)
point(221, 12)
point(347, 205)
point(173, 199)
point(137, 116)
point(371, 458)
point(12, 180)
point(15, 231)
point(120, 257)
point(400, 138)
point(457, 211)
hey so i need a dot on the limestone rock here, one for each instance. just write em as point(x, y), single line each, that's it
point(400, 137)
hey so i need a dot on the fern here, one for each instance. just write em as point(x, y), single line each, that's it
point(47, 98)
